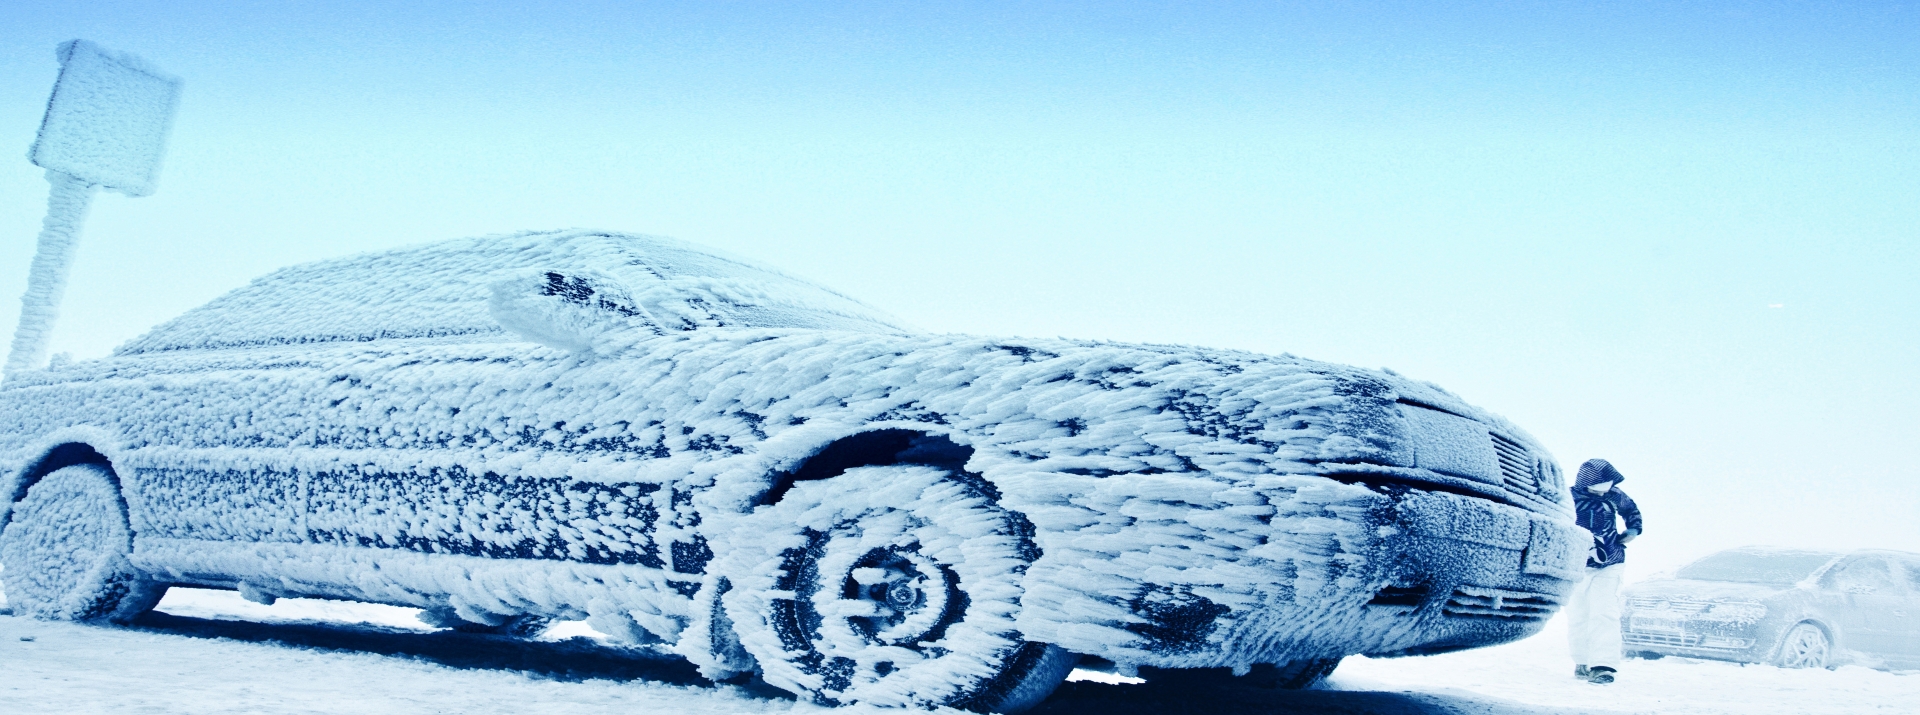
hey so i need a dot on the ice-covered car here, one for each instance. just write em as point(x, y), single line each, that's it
point(1796, 609)
point(768, 477)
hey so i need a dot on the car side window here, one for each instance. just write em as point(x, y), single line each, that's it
point(1912, 567)
point(1867, 575)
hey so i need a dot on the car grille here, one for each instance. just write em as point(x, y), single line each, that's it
point(1671, 640)
point(1479, 602)
point(1677, 606)
point(1520, 473)
point(1682, 639)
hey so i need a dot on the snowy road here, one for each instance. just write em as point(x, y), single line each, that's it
point(318, 657)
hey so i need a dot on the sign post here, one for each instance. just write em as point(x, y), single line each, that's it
point(106, 126)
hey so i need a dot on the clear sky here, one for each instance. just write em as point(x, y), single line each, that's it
point(1681, 236)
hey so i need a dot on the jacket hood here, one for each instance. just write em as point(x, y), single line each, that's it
point(1596, 471)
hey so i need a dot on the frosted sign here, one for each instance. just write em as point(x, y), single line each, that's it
point(107, 121)
point(106, 125)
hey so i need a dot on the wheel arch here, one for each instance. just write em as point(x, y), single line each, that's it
point(1832, 633)
point(65, 449)
point(884, 446)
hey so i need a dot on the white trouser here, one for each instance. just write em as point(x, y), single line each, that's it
point(1593, 618)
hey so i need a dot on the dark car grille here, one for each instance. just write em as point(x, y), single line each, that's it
point(1479, 602)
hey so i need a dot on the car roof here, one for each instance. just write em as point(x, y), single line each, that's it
point(441, 289)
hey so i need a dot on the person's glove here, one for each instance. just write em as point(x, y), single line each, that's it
point(1630, 535)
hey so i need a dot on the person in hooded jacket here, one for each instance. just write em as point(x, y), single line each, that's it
point(1593, 612)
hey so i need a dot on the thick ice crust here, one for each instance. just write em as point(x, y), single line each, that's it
point(108, 119)
point(68, 548)
point(1194, 507)
point(791, 566)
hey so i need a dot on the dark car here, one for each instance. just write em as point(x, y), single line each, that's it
point(1795, 609)
point(771, 478)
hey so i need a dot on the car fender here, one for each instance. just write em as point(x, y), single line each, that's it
point(42, 457)
point(1791, 608)
point(740, 484)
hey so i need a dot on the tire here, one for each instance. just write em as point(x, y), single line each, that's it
point(1805, 646)
point(65, 550)
point(1296, 675)
point(891, 586)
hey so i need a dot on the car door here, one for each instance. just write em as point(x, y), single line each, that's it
point(1873, 599)
point(1907, 617)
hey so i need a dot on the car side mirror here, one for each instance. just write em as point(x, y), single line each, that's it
point(580, 311)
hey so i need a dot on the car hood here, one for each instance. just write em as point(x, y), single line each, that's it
point(1097, 408)
point(1714, 591)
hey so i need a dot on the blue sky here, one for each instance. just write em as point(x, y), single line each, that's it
point(1579, 215)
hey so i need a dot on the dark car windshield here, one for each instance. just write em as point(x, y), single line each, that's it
point(1784, 567)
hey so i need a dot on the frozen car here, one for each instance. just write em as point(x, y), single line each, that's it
point(767, 477)
point(1796, 609)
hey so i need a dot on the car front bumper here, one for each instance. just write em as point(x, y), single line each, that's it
point(1667, 630)
point(1339, 569)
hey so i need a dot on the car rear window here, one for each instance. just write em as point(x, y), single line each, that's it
point(1771, 567)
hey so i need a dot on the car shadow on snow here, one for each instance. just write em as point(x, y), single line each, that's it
point(572, 659)
point(1093, 698)
point(579, 659)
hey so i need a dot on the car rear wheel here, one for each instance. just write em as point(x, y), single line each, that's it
point(65, 550)
point(1806, 646)
point(892, 586)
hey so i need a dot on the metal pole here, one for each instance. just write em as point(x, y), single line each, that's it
point(53, 259)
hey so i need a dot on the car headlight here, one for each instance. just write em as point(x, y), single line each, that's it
point(1737, 611)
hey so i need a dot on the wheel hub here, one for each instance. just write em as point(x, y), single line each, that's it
point(903, 592)
point(902, 595)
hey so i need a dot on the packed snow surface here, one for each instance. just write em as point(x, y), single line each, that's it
point(176, 669)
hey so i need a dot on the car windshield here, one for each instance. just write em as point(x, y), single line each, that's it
point(1783, 567)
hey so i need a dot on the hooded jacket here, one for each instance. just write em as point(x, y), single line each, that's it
point(1600, 513)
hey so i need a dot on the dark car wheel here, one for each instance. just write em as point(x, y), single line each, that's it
point(1296, 675)
point(65, 550)
point(893, 586)
point(1805, 646)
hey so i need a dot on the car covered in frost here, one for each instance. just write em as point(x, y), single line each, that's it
point(1792, 608)
point(767, 477)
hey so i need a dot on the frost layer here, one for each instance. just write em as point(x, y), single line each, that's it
point(366, 428)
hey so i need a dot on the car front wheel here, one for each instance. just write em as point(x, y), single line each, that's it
point(1806, 646)
point(65, 550)
point(892, 586)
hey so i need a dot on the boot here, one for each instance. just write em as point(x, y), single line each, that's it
point(1600, 675)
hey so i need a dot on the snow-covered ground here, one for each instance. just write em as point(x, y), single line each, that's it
point(212, 652)
point(1537, 671)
